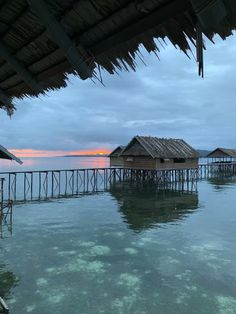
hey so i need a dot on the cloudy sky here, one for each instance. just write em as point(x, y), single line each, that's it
point(163, 98)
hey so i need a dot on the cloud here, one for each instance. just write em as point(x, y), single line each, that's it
point(166, 98)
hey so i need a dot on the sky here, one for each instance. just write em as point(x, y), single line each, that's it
point(163, 98)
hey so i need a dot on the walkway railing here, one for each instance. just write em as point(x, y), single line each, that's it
point(5, 216)
point(41, 185)
point(1, 193)
point(45, 184)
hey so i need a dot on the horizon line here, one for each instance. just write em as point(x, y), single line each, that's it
point(28, 152)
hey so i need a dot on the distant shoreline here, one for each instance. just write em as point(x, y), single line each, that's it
point(98, 155)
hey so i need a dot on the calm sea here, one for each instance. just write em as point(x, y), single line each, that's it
point(130, 249)
point(56, 163)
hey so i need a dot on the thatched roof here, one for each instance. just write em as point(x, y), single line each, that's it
point(159, 148)
point(5, 154)
point(117, 151)
point(43, 41)
point(222, 152)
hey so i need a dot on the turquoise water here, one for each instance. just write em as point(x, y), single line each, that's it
point(131, 249)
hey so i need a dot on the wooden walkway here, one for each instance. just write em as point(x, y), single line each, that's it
point(42, 185)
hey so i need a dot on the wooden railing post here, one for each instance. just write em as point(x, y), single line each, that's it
point(1, 195)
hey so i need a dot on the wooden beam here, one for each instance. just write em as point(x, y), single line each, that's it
point(20, 69)
point(7, 155)
point(150, 21)
point(60, 37)
point(10, 26)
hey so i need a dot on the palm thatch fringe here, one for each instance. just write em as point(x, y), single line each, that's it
point(102, 34)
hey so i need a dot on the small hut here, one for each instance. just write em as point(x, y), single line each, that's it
point(148, 152)
point(115, 158)
point(5, 154)
point(225, 155)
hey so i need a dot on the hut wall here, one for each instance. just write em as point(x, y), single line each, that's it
point(116, 161)
point(171, 164)
point(142, 162)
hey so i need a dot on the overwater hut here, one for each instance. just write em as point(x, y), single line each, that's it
point(222, 155)
point(148, 152)
point(115, 156)
point(44, 41)
point(5, 154)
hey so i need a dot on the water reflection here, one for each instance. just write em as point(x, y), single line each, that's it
point(145, 207)
point(220, 184)
point(7, 281)
point(6, 223)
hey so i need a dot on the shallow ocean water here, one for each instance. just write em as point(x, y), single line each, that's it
point(130, 249)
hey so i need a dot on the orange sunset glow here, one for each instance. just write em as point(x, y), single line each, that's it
point(55, 153)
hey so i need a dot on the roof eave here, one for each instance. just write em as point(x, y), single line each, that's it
point(10, 156)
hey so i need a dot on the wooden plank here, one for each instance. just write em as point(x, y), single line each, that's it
point(22, 71)
point(60, 37)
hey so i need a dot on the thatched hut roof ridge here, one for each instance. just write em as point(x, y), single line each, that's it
point(117, 151)
point(163, 147)
point(44, 41)
point(228, 152)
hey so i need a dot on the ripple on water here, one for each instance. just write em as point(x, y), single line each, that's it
point(66, 253)
point(30, 308)
point(99, 250)
point(226, 305)
point(41, 282)
point(131, 251)
point(79, 265)
point(124, 304)
point(87, 244)
point(129, 280)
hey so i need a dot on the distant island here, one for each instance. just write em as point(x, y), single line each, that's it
point(203, 152)
point(92, 155)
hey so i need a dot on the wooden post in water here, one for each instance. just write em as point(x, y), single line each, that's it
point(46, 184)
point(52, 178)
point(31, 185)
point(2, 196)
